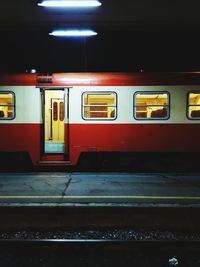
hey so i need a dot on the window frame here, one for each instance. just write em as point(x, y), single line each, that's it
point(98, 93)
point(152, 93)
point(188, 105)
point(13, 105)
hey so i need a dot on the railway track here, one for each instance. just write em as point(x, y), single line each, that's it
point(65, 252)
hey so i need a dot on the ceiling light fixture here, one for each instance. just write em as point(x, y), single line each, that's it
point(67, 3)
point(73, 33)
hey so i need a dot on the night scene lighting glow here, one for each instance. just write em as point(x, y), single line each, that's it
point(65, 3)
point(73, 33)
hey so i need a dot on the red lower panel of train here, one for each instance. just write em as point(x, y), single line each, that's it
point(103, 138)
point(133, 138)
point(21, 138)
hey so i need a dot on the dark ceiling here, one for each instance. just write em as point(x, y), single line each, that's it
point(156, 35)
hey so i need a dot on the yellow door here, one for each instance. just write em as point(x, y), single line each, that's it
point(54, 121)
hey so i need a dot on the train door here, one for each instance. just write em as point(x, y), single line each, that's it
point(54, 125)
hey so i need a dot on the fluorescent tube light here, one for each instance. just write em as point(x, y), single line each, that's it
point(66, 3)
point(71, 33)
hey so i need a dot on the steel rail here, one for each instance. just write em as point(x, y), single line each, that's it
point(101, 241)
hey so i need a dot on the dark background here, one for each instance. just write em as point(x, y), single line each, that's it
point(156, 35)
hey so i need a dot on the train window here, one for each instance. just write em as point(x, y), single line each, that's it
point(194, 105)
point(7, 106)
point(99, 105)
point(151, 105)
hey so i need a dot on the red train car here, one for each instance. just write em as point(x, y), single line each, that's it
point(55, 118)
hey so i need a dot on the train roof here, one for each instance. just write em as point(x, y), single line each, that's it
point(102, 79)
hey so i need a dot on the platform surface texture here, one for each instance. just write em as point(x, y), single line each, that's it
point(99, 189)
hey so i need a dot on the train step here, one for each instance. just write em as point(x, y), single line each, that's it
point(54, 163)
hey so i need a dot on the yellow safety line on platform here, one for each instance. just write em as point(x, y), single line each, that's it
point(102, 197)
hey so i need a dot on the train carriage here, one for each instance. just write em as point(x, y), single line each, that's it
point(55, 118)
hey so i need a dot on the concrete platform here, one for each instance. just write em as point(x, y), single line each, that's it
point(103, 189)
